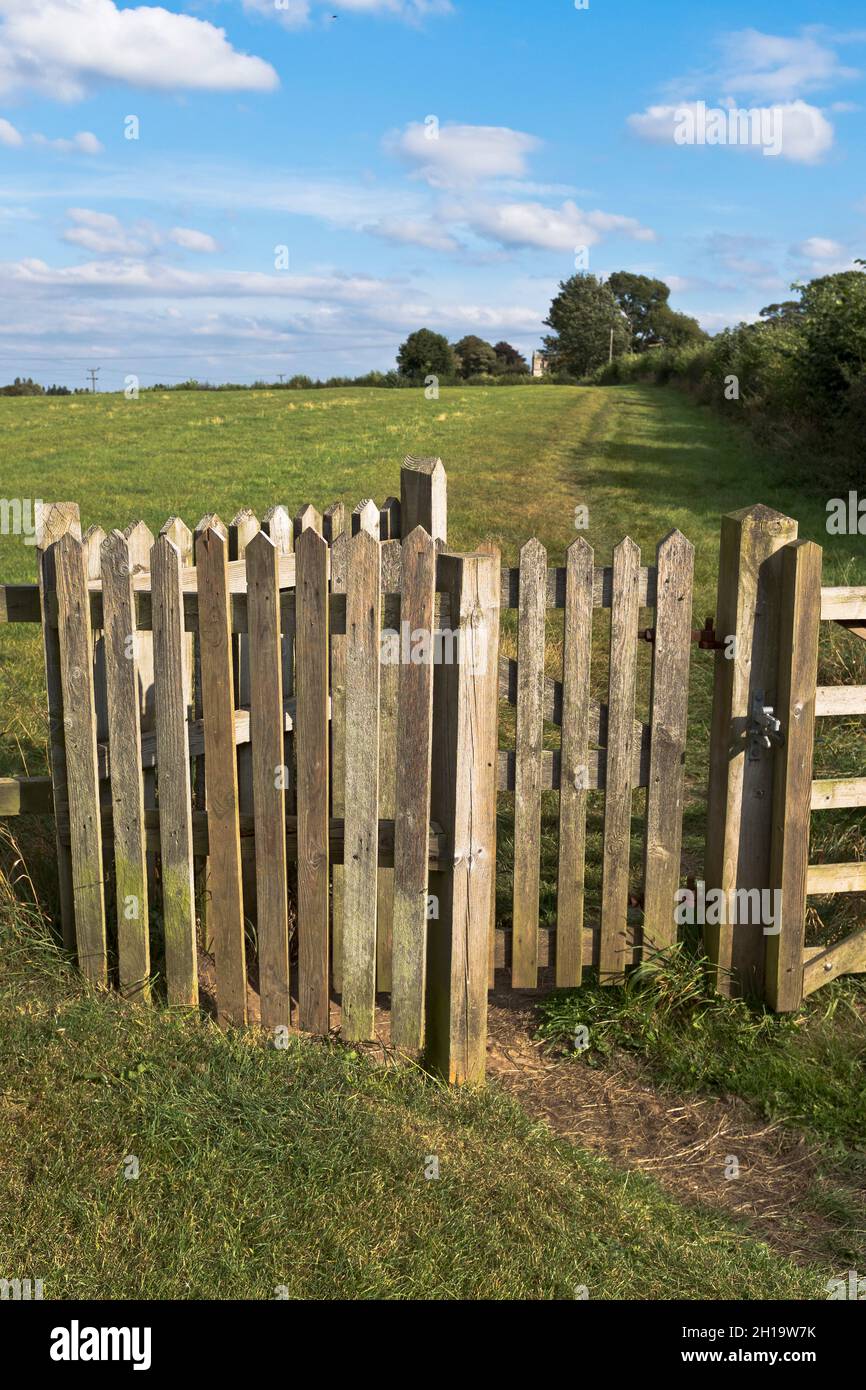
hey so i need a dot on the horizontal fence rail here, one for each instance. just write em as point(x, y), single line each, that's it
point(276, 763)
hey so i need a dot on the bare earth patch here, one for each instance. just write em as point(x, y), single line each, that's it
point(685, 1142)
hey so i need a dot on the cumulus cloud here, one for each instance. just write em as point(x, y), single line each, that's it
point(102, 233)
point(415, 231)
point(105, 235)
point(62, 48)
point(822, 255)
point(85, 142)
point(191, 240)
point(550, 229)
point(451, 154)
point(793, 130)
point(778, 68)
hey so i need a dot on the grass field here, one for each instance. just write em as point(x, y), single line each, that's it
point(231, 1154)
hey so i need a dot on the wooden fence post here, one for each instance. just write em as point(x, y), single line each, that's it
point(739, 808)
point(792, 785)
point(54, 519)
point(463, 784)
point(424, 498)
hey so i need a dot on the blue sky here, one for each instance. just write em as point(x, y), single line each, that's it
point(423, 163)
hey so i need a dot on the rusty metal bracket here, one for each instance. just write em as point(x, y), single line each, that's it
point(705, 636)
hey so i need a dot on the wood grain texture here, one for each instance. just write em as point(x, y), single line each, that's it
point(462, 787)
point(490, 548)
point(181, 536)
point(414, 743)
point(243, 526)
point(669, 697)
point(615, 950)
point(840, 700)
point(574, 776)
point(339, 571)
point(836, 878)
point(127, 781)
point(831, 793)
point(389, 521)
point(363, 667)
point(311, 753)
point(225, 915)
point(269, 797)
point(140, 539)
point(528, 744)
point(739, 802)
point(202, 864)
point(79, 718)
point(365, 517)
point(55, 519)
point(799, 621)
point(847, 957)
point(333, 521)
point(424, 497)
point(389, 673)
point(92, 541)
point(307, 519)
point(173, 768)
point(844, 602)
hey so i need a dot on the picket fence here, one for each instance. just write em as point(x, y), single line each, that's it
point(324, 691)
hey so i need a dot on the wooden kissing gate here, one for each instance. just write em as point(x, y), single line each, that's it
point(228, 704)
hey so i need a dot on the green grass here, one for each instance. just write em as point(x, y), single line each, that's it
point(804, 1070)
point(241, 1144)
point(304, 1169)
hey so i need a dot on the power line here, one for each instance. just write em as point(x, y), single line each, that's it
point(93, 373)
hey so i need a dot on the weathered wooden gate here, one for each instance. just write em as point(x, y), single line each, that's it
point(302, 695)
point(762, 790)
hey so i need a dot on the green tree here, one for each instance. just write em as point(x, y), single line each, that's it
point(583, 315)
point(644, 301)
point(509, 359)
point(474, 356)
point(425, 353)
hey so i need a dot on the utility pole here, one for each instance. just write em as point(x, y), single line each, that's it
point(93, 373)
point(281, 376)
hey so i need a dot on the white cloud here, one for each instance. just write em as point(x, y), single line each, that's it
point(795, 130)
point(85, 142)
point(9, 135)
point(552, 229)
point(101, 233)
point(775, 68)
point(191, 240)
point(415, 231)
point(447, 155)
point(105, 235)
point(822, 255)
point(61, 48)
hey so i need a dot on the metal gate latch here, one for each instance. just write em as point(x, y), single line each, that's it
point(764, 729)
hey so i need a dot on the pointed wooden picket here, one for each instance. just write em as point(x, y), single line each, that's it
point(226, 895)
point(615, 951)
point(311, 742)
point(127, 781)
point(527, 787)
point(363, 622)
point(173, 772)
point(79, 719)
point(268, 777)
